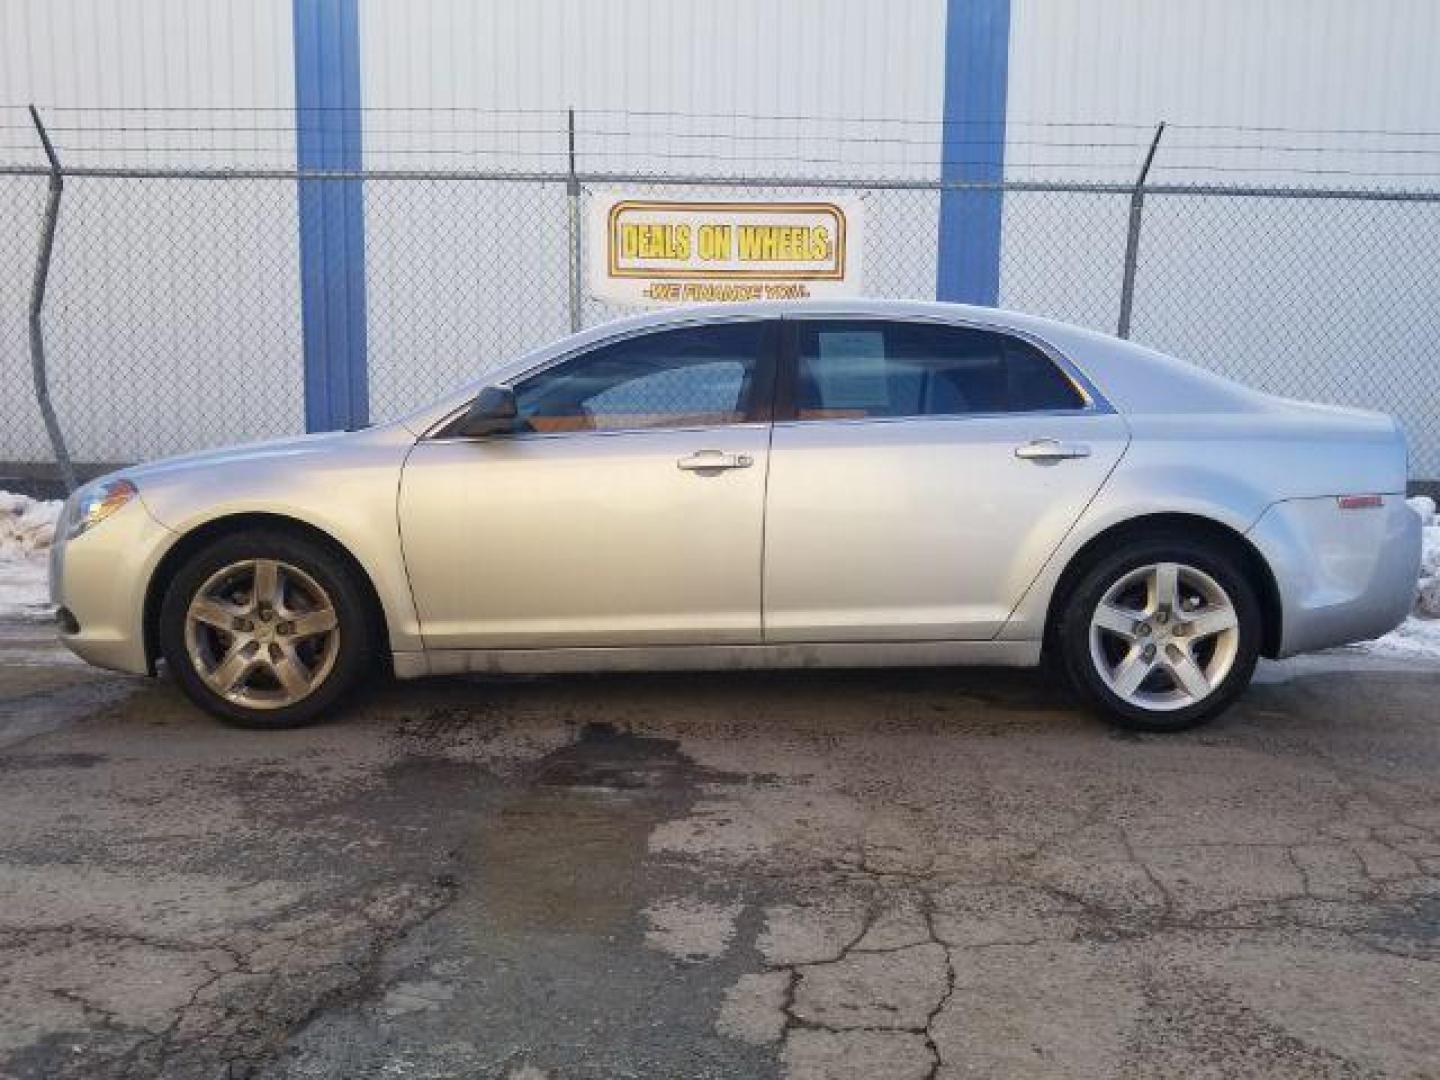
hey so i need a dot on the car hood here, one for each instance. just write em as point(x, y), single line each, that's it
point(299, 476)
point(301, 451)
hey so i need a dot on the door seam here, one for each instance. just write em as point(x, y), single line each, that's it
point(765, 522)
point(781, 349)
point(1044, 566)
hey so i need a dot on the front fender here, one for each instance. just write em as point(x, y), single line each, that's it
point(345, 489)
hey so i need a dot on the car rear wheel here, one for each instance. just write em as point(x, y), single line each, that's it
point(1163, 634)
point(265, 629)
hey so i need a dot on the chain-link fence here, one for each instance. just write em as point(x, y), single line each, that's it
point(173, 315)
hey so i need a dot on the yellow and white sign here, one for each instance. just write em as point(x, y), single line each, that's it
point(643, 251)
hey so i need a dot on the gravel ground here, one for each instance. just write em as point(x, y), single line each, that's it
point(898, 874)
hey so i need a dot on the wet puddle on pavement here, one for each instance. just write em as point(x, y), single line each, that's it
point(566, 853)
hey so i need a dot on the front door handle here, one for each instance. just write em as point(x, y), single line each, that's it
point(1044, 451)
point(705, 460)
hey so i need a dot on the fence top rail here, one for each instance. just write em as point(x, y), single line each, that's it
point(842, 183)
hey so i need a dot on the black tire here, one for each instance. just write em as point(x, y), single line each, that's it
point(355, 621)
point(1217, 561)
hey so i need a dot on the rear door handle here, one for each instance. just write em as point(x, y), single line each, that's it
point(705, 460)
point(1049, 450)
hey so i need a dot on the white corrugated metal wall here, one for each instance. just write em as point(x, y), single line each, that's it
point(658, 87)
point(1347, 75)
point(147, 53)
point(1284, 295)
point(822, 58)
point(1289, 91)
point(144, 332)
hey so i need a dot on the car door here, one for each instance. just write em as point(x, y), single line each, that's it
point(626, 507)
point(921, 473)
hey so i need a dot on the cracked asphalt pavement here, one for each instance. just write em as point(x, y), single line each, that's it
point(832, 874)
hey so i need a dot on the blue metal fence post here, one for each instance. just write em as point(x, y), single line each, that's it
point(332, 213)
point(972, 149)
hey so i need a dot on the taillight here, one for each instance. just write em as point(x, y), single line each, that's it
point(1360, 502)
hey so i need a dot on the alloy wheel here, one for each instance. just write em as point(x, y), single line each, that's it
point(262, 633)
point(1164, 636)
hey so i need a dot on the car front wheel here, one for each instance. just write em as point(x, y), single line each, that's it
point(1162, 634)
point(265, 629)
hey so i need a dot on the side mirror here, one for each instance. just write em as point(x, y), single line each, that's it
point(491, 413)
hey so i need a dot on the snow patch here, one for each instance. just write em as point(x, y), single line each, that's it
point(27, 527)
point(1429, 599)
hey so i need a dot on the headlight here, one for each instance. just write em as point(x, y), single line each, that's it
point(98, 503)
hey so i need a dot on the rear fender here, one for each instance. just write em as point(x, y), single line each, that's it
point(1137, 490)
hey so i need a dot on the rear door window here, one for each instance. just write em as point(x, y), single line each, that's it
point(860, 369)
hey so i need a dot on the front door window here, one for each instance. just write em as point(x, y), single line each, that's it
point(703, 376)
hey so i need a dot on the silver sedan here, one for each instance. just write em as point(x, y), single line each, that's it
point(820, 484)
